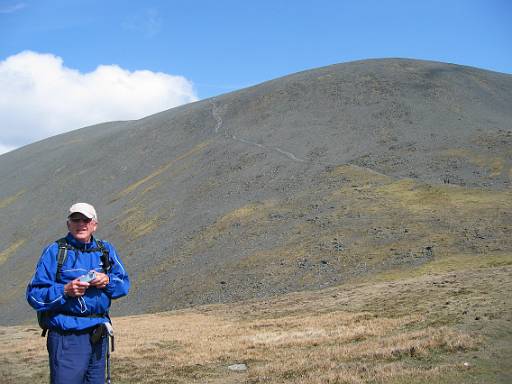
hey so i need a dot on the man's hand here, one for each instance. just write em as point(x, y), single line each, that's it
point(75, 288)
point(100, 281)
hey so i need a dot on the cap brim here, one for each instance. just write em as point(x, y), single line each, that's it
point(88, 215)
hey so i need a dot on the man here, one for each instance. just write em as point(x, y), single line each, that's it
point(75, 311)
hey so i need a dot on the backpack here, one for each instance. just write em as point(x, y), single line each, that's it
point(42, 317)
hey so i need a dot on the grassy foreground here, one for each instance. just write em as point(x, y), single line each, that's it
point(439, 326)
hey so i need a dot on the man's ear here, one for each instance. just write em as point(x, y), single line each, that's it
point(67, 224)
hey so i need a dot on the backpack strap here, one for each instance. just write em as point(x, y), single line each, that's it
point(105, 257)
point(63, 254)
point(61, 257)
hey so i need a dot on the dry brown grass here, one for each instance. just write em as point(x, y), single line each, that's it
point(163, 168)
point(6, 253)
point(493, 163)
point(190, 346)
point(394, 331)
point(135, 223)
point(10, 199)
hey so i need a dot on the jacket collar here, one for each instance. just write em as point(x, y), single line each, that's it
point(80, 245)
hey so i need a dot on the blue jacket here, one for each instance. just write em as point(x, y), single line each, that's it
point(71, 313)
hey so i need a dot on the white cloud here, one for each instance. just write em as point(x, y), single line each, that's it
point(40, 97)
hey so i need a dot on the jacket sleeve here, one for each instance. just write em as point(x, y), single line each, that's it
point(119, 283)
point(43, 292)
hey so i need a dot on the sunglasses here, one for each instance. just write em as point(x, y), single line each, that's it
point(80, 219)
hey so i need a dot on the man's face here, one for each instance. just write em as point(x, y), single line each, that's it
point(81, 227)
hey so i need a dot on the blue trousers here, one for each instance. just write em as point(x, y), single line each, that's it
point(75, 360)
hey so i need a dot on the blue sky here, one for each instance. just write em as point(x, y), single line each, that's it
point(214, 47)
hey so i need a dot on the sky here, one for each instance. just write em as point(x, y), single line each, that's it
point(66, 64)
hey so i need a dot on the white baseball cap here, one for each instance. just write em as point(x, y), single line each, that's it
point(85, 209)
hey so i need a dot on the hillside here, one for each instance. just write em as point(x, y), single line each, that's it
point(437, 326)
point(308, 181)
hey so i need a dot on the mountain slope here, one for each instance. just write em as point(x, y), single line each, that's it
point(299, 183)
point(435, 327)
